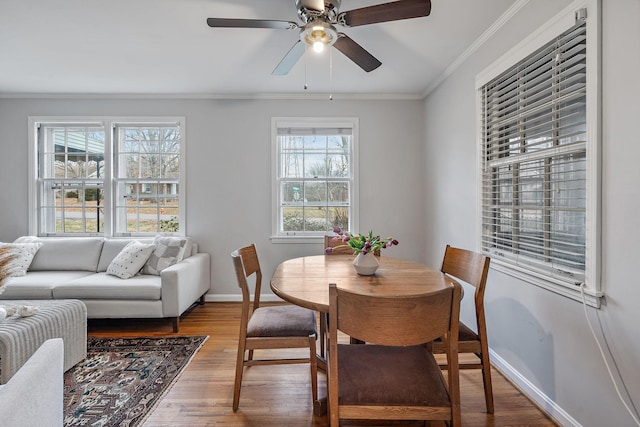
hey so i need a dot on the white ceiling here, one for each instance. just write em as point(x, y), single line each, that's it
point(164, 47)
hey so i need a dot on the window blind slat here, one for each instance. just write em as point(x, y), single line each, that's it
point(534, 163)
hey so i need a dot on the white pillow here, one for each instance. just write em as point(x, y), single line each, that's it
point(130, 259)
point(168, 251)
point(25, 252)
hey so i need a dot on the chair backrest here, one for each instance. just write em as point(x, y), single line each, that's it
point(339, 248)
point(337, 244)
point(245, 261)
point(392, 320)
point(468, 266)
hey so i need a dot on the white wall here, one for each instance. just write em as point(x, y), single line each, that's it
point(541, 335)
point(228, 170)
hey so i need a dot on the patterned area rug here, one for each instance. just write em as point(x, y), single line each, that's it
point(122, 379)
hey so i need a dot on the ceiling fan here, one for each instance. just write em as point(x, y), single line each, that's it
point(319, 18)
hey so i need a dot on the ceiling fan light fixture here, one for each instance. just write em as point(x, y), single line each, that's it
point(318, 34)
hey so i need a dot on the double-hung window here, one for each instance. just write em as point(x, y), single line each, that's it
point(314, 176)
point(71, 176)
point(147, 178)
point(106, 176)
point(538, 161)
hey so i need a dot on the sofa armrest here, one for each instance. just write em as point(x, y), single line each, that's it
point(183, 283)
point(33, 396)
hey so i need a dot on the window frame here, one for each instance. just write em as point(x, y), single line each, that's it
point(278, 236)
point(557, 25)
point(109, 125)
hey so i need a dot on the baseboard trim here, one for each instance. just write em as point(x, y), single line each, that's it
point(238, 298)
point(541, 400)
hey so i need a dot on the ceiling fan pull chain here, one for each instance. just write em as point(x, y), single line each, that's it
point(330, 74)
point(305, 67)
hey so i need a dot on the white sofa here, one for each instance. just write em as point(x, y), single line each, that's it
point(34, 395)
point(75, 268)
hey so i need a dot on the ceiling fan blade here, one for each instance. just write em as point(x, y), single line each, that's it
point(356, 53)
point(251, 23)
point(394, 11)
point(289, 60)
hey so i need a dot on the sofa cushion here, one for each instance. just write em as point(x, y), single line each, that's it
point(112, 248)
point(167, 251)
point(38, 284)
point(105, 286)
point(66, 253)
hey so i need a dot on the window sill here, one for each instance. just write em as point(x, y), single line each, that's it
point(592, 297)
point(297, 239)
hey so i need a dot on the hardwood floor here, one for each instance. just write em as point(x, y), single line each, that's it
point(277, 396)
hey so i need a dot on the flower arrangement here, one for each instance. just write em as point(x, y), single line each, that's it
point(361, 243)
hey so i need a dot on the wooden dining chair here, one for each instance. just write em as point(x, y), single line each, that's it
point(269, 327)
point(471, 267)
point(339, 248)
point(395, 376)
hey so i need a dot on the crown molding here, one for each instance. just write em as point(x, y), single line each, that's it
point(499, 23)
point(225, 96)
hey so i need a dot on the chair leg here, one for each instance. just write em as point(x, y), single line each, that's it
point(314, 368)
point(239, 370)
point(486, 379)
point(323, 332)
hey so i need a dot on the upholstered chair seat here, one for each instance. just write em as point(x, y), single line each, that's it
point(282, 321)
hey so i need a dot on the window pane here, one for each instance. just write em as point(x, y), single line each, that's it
point(76, 166)
point(338, 192)
point(338, 166)
point(129, 166)
point(339, 217)
point(315, 218)
point(169, 219)
point(291, 192)
point(292, 218)
point(315, 165)
point(315, 192)
point(150, 166)
point(170, 166)
point(291, 164)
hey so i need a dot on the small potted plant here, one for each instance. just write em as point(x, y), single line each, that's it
point(365, 246)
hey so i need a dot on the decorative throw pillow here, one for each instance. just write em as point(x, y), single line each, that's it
point(24, 255)
point(168, 251)
point(130, 259)
point(8, 266)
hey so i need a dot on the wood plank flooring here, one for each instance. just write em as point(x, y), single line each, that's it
point(278, 396)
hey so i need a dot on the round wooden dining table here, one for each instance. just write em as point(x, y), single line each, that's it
point(305, 281)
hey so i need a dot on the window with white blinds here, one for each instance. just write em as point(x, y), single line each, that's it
point(535, 161)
